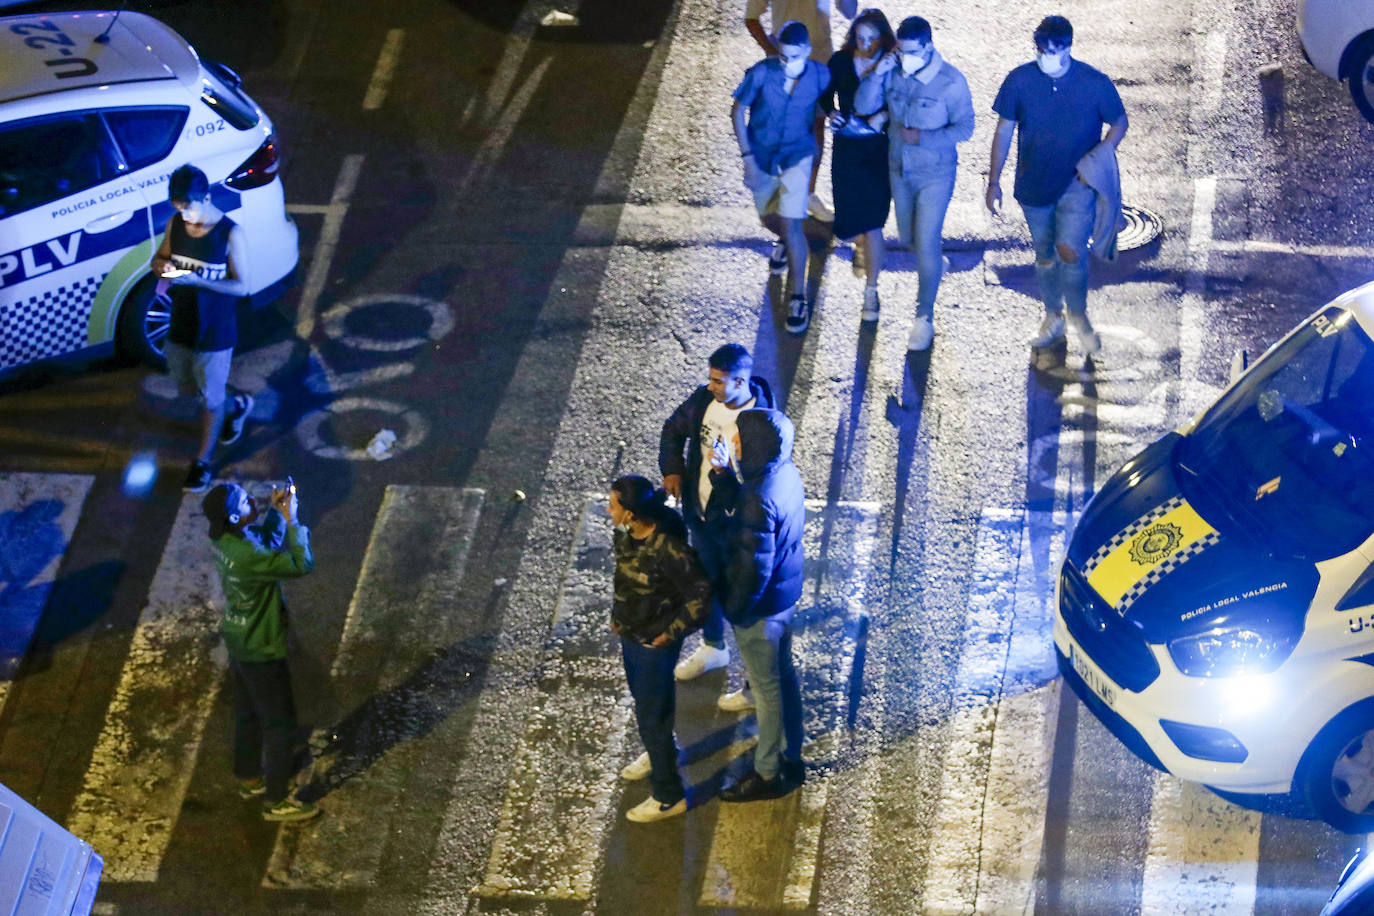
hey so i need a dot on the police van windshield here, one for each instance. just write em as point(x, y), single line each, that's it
point(1287, 454)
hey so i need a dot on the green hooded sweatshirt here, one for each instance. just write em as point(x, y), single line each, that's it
point(251, 568)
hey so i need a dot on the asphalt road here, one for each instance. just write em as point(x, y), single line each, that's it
point(518, 246)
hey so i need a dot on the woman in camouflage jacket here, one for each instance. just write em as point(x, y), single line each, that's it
point(661, 595)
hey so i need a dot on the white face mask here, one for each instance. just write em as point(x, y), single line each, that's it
point(793, 68)
point(1051, 63)
point(913, 62)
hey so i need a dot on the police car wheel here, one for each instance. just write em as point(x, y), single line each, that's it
point(1337, 772)
point(1361, 77)
point(144, 321)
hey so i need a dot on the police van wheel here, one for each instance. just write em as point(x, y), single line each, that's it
point(1360, 79)
point(143, 324)
point(1337, 772)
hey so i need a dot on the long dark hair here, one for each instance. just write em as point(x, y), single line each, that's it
point(648, 503)
point(874, 17)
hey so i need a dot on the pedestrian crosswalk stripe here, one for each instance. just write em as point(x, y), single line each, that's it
point(395, 618)
point(989, 823)
point(38, 514)
point(564, 780)
point(1203, 854)
point(145, 755)
point(764, 854)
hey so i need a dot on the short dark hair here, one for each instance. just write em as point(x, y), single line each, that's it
point(648, 503)
point(913, 28)
point(1053, 31)
point(793, 33)
point(732, 357)
point(188, 183)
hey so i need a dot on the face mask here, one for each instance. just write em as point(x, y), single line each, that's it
point(914, 62)
point(1051, 63)
point(623, 529)
point(794, 68)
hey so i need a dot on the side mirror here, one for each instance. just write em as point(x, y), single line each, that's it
point(1239, 363)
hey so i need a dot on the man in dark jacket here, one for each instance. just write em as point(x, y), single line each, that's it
point(763, 584)
point(705, 418)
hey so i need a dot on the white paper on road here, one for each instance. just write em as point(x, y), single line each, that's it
point(147, 749)
point(38, 514)
point(397, 612)
point(764, 855)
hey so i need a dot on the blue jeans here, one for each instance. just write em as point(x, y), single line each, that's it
point(712, 544)
point(919, 203)
point(1068, 222)
point(649, 672)
point(766, 649)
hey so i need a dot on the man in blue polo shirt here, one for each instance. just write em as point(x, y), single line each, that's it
point(1057, 107)
point(775, 106)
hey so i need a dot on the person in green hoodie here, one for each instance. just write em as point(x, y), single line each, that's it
point(254, 552)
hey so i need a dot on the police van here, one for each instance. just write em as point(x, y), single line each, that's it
point(1215, 609)
point(96, 111)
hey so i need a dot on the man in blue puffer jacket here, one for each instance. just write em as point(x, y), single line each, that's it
point(763, 585)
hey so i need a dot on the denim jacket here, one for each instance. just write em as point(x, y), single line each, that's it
point(780, 125)
point(936, 100)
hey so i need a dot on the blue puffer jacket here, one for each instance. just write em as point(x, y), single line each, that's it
point(764, 574)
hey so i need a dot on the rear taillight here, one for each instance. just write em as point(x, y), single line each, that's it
point(258, 169)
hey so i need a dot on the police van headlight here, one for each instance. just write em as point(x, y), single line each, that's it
point(1228, 651)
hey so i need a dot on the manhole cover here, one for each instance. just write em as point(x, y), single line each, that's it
point(1142, 227)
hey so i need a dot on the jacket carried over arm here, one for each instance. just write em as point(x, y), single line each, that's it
point(660, 587)
point(251, 569)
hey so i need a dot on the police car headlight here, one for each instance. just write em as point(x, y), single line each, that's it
point(1225, 652)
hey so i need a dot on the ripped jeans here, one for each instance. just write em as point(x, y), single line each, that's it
point(1066, 223)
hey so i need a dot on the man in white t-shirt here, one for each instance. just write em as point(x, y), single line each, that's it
point(815, 15)
point(684, 458)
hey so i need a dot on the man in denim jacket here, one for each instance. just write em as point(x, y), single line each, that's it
point(930, 112)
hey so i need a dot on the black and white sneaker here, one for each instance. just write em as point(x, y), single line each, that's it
point(236, 419)
point(798, 315)
point(197, 478)
point(777, 259)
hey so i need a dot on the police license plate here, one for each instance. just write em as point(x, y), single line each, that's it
point(1097, 681)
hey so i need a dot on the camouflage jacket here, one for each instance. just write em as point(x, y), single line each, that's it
point(660, 587)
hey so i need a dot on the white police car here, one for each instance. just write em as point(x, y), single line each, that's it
point(1338, 39)
point(95, 113)
point(1216, 605)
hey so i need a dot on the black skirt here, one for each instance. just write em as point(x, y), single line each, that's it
point(858, 175)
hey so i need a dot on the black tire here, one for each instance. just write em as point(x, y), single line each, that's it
point(144, 320)
point(1336, 777)
point(1360, 79)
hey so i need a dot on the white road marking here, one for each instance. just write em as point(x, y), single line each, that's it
point(413, 427)
point(765, 855)
point(989, 823)
point(385, 69)
point(344, 849)
point(38, 514)
point(1203, 856)
point(1262, 246)
point(146, 752)
point(565, 778)
point(328, 242)
point(504, 129)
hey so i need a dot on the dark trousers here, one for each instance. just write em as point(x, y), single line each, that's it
point(264, 723)
point(711, 543)
point(649, 672)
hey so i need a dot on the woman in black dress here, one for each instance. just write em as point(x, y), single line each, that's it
point(858, 160)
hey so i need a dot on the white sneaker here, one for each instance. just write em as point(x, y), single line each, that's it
point(637, 769)
point(1083, 330)
point(820, 210)
point(922, 333)
point(738, 701)
point(777, 259)
point(1051, 330)
point(651, 809)
point(705, 658)
point(870, 312)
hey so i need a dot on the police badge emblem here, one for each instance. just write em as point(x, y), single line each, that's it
point(1155, 543)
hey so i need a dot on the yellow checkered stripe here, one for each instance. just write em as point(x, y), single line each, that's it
point(1153, 551)
point(1122, 537)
